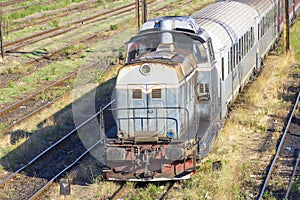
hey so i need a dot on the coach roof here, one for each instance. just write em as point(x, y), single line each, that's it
point(225, 21)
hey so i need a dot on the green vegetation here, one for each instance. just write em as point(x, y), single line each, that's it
point(295, 39)
point(33, 8)
point(55, 23)
point(73, 49)
point(152, 191)
point(2, 126)
point(53, 72)
point(113, 27)
point(268, 195)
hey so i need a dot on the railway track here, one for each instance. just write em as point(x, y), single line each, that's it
point(17, 44)
point(12, 46)
point(6, 11)
point(38, 62)
point(11, 2)
point(284, 166)
point(48, 58)
point(49, 164)
point(44, 19)
point(168, 190)
point(17, 112)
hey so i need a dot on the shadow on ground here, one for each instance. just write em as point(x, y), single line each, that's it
point(46, 135)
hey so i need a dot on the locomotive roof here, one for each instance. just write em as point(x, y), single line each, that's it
point(172, 23)
point(175, 23)
point(222, 21)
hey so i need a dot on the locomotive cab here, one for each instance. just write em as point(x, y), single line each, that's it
point(164, 106)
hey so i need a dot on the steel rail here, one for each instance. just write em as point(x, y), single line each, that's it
point(117, 192)
point(56, 143)
point(80, 22)
point(65, 12)
point(18, 103)
point(42, 107)
point(292, 177)
point(11, 2)
point(8, 11)
point(31, 114)
point(278, 149)
point(48, 57)
point(37, 193)
point(167, 191)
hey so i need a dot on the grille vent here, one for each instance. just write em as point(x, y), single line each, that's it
point(156, 93)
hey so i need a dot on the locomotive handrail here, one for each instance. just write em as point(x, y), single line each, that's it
point(160, 108)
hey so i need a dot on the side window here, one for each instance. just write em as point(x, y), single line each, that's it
point(200, 53)
point(231, 59)
point(202, 91)
point(258, 28)
point(211, 50)
point(223, 73)
point(240, 49)
point(252, 37)
point(137, 94)
point(236, 47)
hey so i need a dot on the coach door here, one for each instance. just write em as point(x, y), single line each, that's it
point(147, 108)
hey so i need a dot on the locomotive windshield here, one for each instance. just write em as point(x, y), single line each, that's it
point(140, 46)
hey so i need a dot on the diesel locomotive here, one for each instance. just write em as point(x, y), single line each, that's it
point(180, 76)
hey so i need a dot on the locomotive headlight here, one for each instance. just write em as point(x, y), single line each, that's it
point(145, 69)
point(170, 134)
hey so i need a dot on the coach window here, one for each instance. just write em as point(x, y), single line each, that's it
point(236, 47)
point(229, 61)
point(252, 37)
point(262, 27)
point(233, 57)
point(247, 42)
point(223, 69)
point(258, 28)
point(241, 48)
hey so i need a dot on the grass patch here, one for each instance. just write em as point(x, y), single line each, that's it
point(53, 72)
point(39, 8)
point(152, 191)
point(295, 39)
